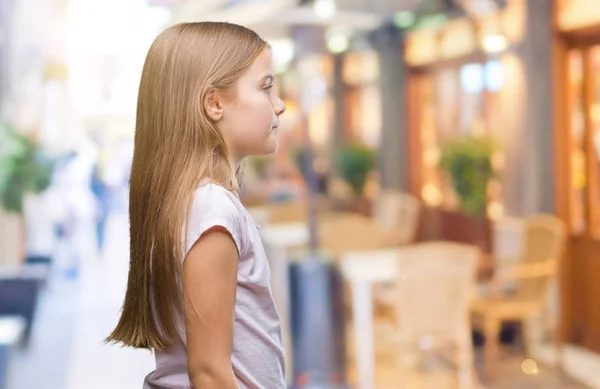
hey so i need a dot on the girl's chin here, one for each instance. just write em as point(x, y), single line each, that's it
point(272, 143)
point(272, 147)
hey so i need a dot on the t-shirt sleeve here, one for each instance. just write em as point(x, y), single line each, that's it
point(213, 206)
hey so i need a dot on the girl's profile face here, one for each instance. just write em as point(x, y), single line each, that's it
point(250, 119)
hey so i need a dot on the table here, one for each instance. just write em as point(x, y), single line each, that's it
point(362, 270)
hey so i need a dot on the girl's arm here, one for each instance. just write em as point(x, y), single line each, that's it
point(209, 278)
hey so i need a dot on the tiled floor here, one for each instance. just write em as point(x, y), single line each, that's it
point(66, 351)
point(434, 373)
point(511, 377)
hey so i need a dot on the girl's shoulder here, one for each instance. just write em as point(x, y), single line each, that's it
point(217, 193)
point(214, 205)
point(216, 199)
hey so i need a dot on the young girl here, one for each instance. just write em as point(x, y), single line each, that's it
point(198, 293)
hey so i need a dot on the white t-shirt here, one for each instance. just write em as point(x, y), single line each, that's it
point(258, 355)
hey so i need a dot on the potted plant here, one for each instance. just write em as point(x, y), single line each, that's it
point(468, 163)
point(355, 162)
point(24, 169)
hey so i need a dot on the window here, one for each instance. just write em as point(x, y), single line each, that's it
point(453, 102)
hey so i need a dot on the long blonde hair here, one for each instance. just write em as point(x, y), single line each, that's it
point(176, 147)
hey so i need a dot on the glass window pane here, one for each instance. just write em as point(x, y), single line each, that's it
point(594, 112)
point(578, 154)
point(494, 76)
point(472, 78)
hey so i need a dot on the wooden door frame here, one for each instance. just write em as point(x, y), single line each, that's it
point(573, 299)
point(562, 131)
point(562, 43)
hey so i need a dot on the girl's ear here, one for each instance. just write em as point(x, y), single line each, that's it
point(213, 105)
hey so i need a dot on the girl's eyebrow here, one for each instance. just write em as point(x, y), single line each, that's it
point(268, 78)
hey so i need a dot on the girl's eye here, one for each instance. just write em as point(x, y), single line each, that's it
point(267, 89)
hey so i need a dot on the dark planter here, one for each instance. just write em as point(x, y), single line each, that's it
point(455, 226)
point(19, 295)
point(363, 206)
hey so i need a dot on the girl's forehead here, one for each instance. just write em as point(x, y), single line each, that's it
point(263, 64)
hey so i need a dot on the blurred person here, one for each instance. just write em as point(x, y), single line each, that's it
point(110, 186)
point(73, 181)
point(117, 173)
point(102, 192)
point(123, 164)
point(199, 293)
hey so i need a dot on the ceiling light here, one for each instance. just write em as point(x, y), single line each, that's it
point(495, 43)
point(283, 53)
point(324, 9)
point(338, 43)
point(338, 39)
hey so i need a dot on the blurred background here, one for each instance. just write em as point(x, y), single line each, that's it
point(456, 151)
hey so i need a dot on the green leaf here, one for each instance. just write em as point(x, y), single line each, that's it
point(355, 162)
point(24, 168)
point(467, 161)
